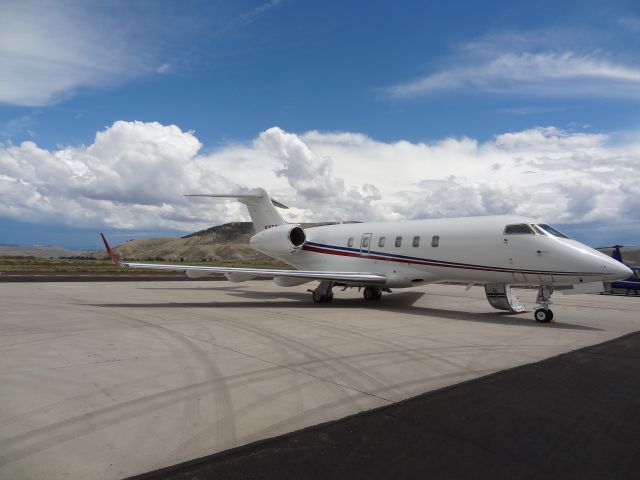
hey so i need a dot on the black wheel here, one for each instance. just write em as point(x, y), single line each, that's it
point(370, 293)
point(543, 315)
point(318, 298)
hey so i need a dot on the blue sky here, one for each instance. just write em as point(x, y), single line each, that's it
point(563, 77)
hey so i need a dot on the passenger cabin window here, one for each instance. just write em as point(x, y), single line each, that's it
point(381, 242)
point(416, 241)
point(435, 241)
point(398, 241)
point(365, 241)
point(518, 229)
point(350, 242)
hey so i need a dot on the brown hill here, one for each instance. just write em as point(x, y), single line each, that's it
point(223, 243)
point(42, 251)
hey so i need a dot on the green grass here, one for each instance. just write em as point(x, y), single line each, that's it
point(47, 265)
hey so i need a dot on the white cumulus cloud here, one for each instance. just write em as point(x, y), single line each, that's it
point(134, 175)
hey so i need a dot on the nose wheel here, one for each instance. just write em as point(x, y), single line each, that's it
point(543, 315)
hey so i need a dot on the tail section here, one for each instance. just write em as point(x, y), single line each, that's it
point(617, 254)
point(262, 208)
point(113, 256)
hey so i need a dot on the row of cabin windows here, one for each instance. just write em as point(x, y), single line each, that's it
point(435, 241)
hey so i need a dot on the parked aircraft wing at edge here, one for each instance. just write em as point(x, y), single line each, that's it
point(348, 277)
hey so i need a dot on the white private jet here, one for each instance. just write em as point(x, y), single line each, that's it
point(494, 251)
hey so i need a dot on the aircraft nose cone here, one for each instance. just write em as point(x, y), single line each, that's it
point(615, 270)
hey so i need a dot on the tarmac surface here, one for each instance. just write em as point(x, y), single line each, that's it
point(546, 420)
point(109, 380)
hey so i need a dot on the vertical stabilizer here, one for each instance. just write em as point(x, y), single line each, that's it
point(262, 208)
point(617, 254)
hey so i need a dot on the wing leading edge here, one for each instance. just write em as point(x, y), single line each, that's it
point(336, 276)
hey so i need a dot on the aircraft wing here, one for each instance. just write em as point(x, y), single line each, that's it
point(336, 276)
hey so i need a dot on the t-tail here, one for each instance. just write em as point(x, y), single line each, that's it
point(262, 208)
point(617, 254)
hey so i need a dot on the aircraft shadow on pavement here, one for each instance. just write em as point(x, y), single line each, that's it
point(402, 302)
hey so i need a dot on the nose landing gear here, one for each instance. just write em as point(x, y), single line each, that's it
point(544, 313)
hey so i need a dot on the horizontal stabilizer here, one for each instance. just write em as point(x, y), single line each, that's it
point(238, 197)
point(260, 205)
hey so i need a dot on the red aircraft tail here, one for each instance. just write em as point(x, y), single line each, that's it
point(112, 255)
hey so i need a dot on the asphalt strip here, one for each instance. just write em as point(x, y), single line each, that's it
point(576, 415)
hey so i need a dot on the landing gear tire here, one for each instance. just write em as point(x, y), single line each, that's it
point(543, 315)
point(319, 298)
point(322, 293)
point(371, 293)
point(322, 298)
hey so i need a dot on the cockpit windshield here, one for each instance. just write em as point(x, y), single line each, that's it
point(526, 229)
point(550, 230)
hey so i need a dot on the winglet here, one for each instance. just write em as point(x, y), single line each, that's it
point(112, 255)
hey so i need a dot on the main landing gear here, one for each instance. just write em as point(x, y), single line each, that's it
point(372, 293)
point(544, 313)
point(323, 293)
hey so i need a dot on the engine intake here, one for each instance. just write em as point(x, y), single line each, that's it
point(297, 236)
point(279, 240)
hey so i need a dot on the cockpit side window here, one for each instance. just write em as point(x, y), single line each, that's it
point(518, 229)
point(552, 231)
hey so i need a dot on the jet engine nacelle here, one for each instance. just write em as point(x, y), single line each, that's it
point(280, 240)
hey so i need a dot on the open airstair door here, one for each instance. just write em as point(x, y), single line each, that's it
point(501, 297)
